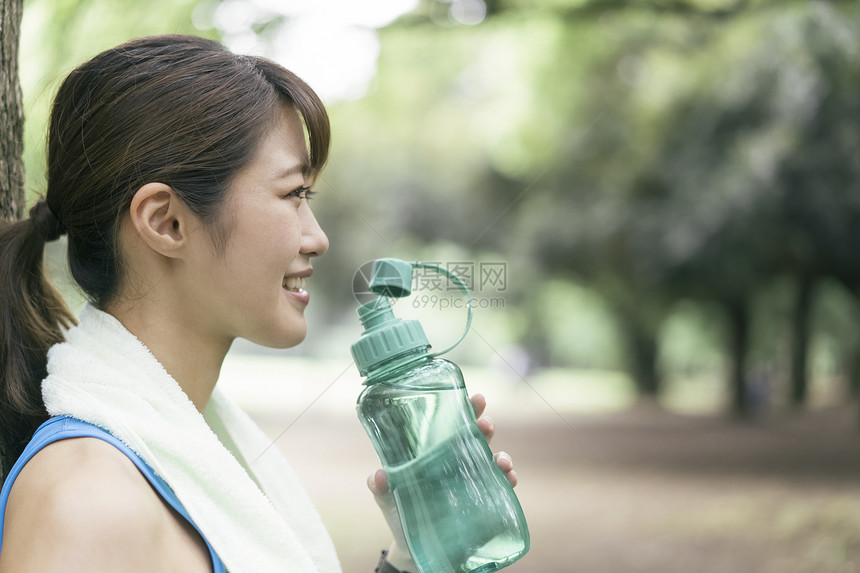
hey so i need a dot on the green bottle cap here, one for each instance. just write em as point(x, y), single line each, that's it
point(391, 277)
point(385, 336)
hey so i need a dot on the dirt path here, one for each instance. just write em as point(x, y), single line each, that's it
point(642, 491)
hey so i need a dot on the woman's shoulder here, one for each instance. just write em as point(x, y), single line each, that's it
point(77, 480)
point(81, 502)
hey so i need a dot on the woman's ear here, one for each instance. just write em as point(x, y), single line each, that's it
point(160, 218)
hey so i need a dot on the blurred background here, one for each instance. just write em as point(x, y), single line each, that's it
point(657, 206)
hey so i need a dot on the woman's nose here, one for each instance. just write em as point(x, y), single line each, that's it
point(314, 239)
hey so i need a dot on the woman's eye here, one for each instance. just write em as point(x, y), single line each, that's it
point(301, 193)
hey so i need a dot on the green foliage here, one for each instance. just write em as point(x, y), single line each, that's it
point(583, 337)
point(657, 152)
point(639, 166)
point(57, 35)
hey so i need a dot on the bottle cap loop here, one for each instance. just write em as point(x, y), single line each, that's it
point(463, 288)
point(387, 337)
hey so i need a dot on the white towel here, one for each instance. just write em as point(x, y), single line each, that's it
point(104, 375)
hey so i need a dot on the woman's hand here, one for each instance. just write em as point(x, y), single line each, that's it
point(488, 428)
point(398, 555)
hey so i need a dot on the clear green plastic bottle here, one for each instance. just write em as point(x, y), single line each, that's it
point(458, 512)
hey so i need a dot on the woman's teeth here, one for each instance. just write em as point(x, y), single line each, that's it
point(295, 284)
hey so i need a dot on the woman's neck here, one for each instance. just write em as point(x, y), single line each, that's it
point(193, 360)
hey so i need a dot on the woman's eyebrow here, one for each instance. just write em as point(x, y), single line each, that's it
point(303, 169)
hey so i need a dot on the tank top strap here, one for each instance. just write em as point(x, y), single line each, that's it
point(64, 427)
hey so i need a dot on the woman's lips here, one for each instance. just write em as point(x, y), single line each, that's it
point(295, 287)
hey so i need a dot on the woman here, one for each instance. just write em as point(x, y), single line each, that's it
point(181, 175)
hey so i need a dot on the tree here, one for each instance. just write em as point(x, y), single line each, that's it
point(11, 134)
point(11, 114)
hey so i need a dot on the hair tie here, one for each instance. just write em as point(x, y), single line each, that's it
point(50, 228)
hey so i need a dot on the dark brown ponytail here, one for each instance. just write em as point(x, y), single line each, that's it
point(32, 314)
point(178, 110)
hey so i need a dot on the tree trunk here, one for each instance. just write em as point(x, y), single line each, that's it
point(851, 354)
point(738, 343)
point(853, 370)
point(642, 352)
point(853, 359)
point(11, 135)
point(535, 341)
point(800, 340)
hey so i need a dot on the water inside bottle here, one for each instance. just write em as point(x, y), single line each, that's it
point(458, 512)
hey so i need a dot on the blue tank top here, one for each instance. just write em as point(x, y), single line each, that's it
point(62, 427)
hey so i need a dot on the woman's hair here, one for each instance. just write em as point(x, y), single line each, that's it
point(178, 110)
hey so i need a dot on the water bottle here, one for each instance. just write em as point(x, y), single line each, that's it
point(458, 511)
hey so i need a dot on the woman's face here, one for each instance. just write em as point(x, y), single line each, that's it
point(256, 288)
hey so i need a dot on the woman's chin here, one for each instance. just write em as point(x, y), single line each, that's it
point(284, 340)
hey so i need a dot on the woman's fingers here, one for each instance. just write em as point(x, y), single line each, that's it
point(485, 423)
point(479, 402)
point(487, 427)
point(506, 464)
point(504, 461)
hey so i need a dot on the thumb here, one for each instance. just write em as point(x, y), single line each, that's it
point(378, 483)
